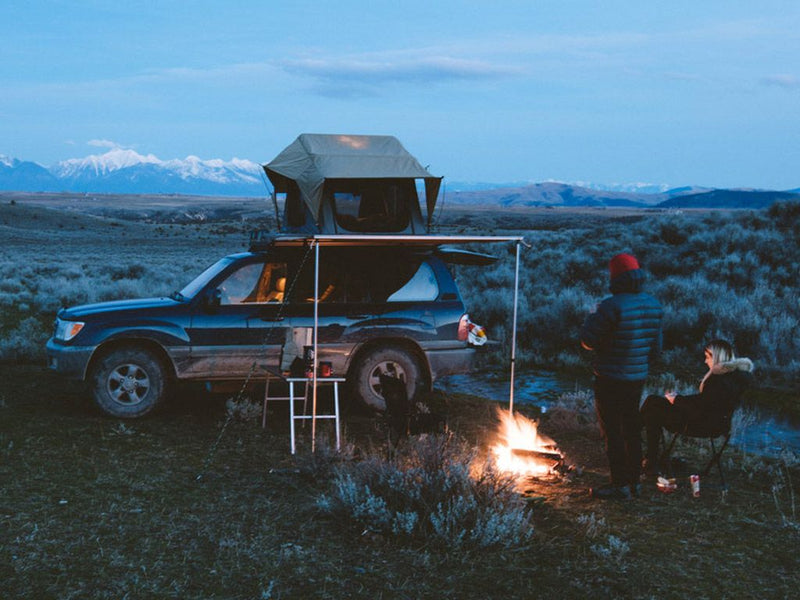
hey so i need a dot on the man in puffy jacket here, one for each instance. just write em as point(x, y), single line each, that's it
point(625, 333)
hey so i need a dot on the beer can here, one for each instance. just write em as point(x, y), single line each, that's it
point(695, 481)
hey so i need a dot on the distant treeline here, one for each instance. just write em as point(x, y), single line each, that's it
point(731, 274)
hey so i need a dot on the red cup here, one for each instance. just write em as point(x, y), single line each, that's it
point(695, 481)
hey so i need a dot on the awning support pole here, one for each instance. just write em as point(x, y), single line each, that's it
point(314, 361)
point(514, 333)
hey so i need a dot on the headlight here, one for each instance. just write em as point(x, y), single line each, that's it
point(66, 330)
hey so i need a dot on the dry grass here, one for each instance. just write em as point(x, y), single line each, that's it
point(96, 508)
point(91, 507)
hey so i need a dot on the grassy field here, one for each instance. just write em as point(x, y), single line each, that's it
point(167, 508)
point(730, 274)
point(198, 501)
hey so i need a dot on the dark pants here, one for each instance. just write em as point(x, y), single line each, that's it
point(617, 406)
point(658, 413)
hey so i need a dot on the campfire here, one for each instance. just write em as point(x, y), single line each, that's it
point(522, 450)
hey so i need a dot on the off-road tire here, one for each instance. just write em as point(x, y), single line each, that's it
point(391, 361)
point(129, 383)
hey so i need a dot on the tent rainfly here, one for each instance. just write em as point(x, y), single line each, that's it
point(373, 177)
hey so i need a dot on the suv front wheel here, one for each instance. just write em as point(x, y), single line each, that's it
point(129, 383)
point(390, 361)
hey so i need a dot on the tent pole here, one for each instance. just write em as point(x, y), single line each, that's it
point(314, 361)
point(277, 212)
point(514, 334)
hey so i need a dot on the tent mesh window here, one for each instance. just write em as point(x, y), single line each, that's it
point(380, 205)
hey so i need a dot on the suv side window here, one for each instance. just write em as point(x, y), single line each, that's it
point(421, 287)
point(354, 277)
point(254, 283)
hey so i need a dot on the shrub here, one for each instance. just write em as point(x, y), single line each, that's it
point(24, 341)
point(433, 490)
point(573, 412)
point(718, 274)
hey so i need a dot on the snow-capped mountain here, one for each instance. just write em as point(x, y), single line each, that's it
point(124, 171)
point(24, 176)
point(102, 164)
point(634, 188)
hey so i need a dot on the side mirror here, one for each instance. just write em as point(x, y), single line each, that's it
point(212, 299)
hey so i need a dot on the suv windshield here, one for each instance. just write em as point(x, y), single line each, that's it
point(201, 280)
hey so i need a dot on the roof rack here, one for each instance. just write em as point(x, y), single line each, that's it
point(262, 240)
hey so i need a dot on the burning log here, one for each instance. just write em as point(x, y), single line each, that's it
point(540, 454)
point(522, 450)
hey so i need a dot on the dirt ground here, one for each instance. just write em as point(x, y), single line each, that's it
point(189, 503)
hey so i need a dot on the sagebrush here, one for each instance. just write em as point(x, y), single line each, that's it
point(434, 490)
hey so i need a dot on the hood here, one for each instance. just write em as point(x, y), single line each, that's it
point(737, 364)
point(100, 308)
point(629, 282)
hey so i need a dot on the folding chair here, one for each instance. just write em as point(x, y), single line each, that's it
point(711, 432)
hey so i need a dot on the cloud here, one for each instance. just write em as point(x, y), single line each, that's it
point(337, 76)
point(223, 74)
point(679, 76)
point(105, 144)
point(783, 80)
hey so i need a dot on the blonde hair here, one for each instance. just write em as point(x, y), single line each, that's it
point(721, 351)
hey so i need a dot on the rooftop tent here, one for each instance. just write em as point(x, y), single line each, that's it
point(361, 161)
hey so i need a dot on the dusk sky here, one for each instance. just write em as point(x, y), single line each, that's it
point(677, 93)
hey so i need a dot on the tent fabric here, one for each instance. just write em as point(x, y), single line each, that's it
point(313, 158)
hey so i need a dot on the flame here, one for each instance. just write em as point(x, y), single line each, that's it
point(518, 435)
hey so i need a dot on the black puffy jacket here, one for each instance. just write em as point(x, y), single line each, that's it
point(719, 395)
point(625, 331)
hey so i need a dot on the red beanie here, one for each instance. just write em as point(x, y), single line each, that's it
point(622, 263)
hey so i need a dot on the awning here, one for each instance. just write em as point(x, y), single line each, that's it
point(389, 240)
point(318, 240)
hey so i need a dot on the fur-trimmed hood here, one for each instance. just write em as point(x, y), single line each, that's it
point(737, 364)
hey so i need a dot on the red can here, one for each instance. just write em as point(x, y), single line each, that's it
point(695, 481)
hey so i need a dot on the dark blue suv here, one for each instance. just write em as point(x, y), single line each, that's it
point(393, 311)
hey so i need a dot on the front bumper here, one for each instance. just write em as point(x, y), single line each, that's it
point(69, 361)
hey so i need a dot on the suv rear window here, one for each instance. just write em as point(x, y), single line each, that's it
point(421, 287)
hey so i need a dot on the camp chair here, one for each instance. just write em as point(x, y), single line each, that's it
point(709, 431)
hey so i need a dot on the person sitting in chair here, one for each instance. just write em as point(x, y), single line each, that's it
point(722, 386)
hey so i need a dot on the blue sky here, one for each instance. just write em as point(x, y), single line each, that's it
point(680, 92)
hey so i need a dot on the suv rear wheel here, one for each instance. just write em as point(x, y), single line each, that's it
point(390, 361)
point(128, 383)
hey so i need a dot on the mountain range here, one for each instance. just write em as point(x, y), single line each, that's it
point(121, 171)
point(124, 171)
point(569, 195)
